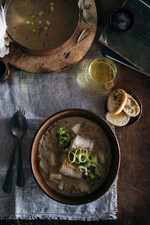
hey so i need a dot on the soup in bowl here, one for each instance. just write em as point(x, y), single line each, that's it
point(75, 156)
point(41, 26)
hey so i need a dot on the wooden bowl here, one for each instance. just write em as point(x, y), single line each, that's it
point(115, 160)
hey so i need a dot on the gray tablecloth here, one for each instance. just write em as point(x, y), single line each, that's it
point(40, 96)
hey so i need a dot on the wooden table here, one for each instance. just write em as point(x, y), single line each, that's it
point(134, 175)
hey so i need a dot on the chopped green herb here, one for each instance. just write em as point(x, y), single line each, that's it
point(48, 22)
point(34, 30)
point(40, 22)
point(51, 8)
point(32, 17)
point(86, 165)
point(41, 13)
point(64, 139)
point(32, 23)
point(51, 3)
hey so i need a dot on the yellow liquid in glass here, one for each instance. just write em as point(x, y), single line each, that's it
point(101, 71)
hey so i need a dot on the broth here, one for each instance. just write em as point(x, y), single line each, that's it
point(52, 158)
point(41, 25)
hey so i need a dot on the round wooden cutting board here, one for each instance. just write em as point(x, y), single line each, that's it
point(57, 61)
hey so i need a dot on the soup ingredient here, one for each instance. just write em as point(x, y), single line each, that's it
point(63, 139)
point(101, 157)
point(61, 185)
point(116, 101)
point(41, 13)
point(32, 17)
point(83, 143)
point(79, 156)
point(131, 107)
point(34, 30)
point(84, 34)
point(52, 159)
point(56, 176)
point(119, 120)
point(76, 128)
point(70, 170)
point(83, 186)
point(48, 22)
point(51, 6)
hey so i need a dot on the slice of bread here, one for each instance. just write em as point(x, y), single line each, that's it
point(131, 107)
point(116, 101)
point(119, 120)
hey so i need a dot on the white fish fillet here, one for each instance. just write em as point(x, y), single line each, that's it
point(68, 169)
point(84, 143)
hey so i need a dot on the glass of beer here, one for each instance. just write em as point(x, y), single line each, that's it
point(101, 74)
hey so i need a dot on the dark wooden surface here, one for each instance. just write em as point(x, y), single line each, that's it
point(134, 175)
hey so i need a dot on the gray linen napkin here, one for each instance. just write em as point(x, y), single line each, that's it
point(40, 96)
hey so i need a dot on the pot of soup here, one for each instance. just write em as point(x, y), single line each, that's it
point(75, 156)
point(42, 27)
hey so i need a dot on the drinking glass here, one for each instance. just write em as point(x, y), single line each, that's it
point(101, 74)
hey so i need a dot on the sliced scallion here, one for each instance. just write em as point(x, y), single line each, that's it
point(51, 3)
point(32, 17)
point(51, 8)
point(78, 151)
point(71, 157)
point(83, 169)
point(82, 158)
point(34, 30)
point(48, 22)
point(41, 13)
point(63, 138)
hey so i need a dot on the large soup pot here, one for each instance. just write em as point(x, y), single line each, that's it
point(48, 51)
point(115, 157)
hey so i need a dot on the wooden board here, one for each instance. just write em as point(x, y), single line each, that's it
point(58, 61)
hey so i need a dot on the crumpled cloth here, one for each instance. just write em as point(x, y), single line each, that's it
point(4, 41)
point(40, 96)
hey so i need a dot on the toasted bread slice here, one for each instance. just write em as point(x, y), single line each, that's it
point(116, 101)
point(119, 120)
point(131, 107)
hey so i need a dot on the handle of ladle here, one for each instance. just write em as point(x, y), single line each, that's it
point(7, 187)
point(20, 173)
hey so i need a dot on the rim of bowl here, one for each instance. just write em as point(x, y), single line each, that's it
point(77, 200)
point(46, 52)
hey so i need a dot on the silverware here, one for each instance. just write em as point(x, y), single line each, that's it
point(18, 129)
